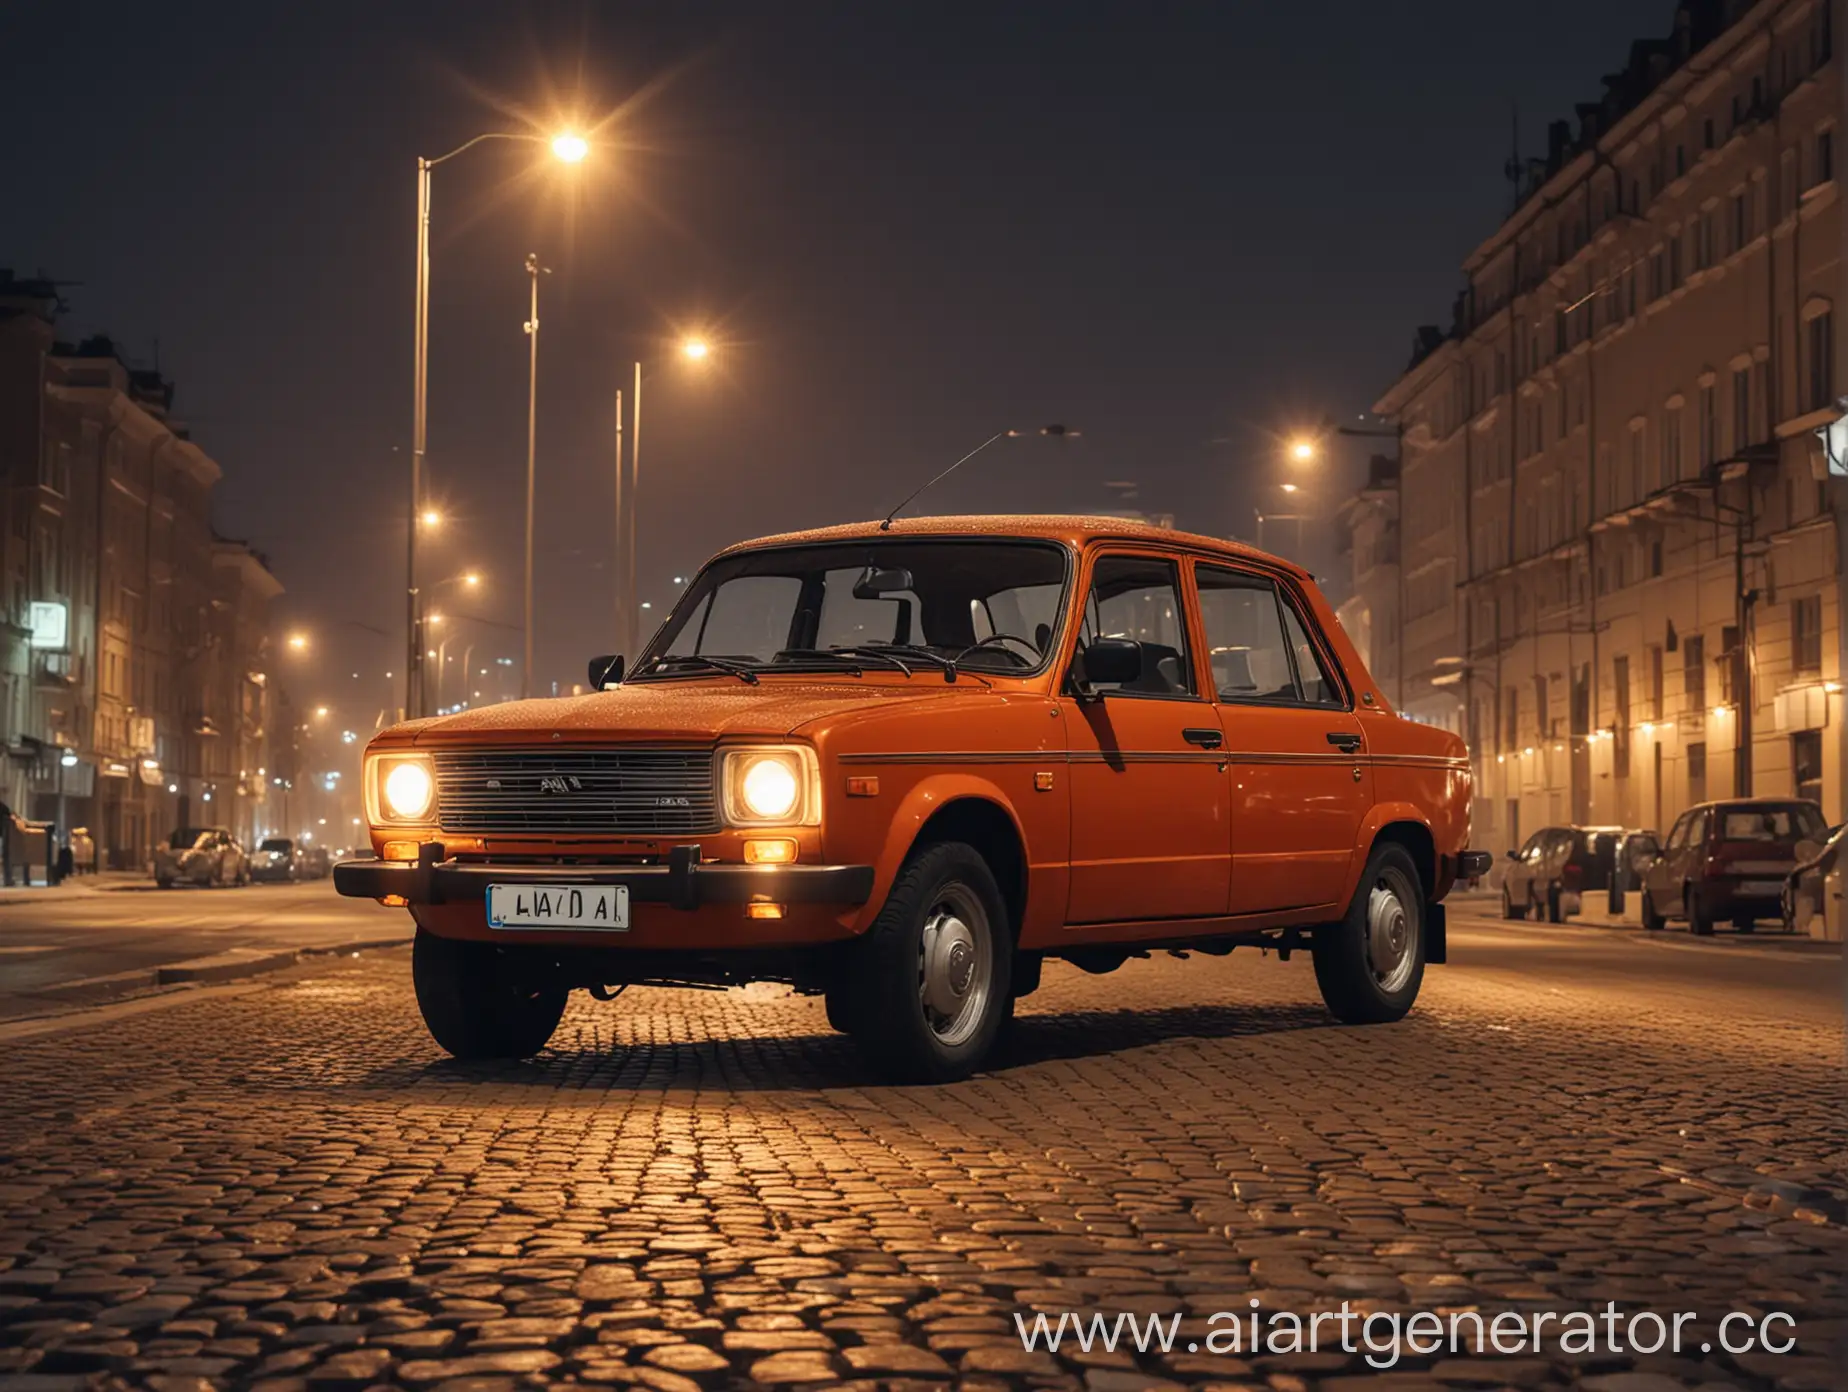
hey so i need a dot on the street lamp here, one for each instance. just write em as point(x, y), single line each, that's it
point(1302, 450)
point(567, 147)
point(696, 350)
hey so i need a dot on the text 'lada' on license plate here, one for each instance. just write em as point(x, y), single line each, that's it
point(558, 906)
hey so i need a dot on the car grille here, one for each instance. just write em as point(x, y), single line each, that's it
point(590, 792)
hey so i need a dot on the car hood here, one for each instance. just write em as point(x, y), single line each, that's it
point(683, 711)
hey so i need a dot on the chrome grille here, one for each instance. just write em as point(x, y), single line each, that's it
point(586, 792)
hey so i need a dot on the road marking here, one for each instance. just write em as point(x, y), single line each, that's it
point(19, 949)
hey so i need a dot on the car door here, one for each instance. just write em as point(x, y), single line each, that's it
point(1659, 883)
point(1301, 784)
point(1150, 815)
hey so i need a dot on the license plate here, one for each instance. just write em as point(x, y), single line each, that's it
point(1765, 888)
point(558, 906)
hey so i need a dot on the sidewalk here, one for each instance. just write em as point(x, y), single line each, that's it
point(106, 881)
point(1596, 914)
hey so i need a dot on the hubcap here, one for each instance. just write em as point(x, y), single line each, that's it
point(954, 966)
point(1390, 952)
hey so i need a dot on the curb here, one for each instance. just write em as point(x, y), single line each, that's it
point(1778, 945)
point(235, 965)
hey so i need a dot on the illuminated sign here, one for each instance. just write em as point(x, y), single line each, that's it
point(50, 623)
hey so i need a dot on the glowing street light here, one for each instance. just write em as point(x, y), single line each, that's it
point(320, 712)
point(696, 349)
point(298, 642)
point(430, 517)
point(1302, 450)
point(568, 147)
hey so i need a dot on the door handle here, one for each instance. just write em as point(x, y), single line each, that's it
point(1344, 740)
point(1206, 739)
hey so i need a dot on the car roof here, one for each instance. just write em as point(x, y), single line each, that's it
point(1074, 530)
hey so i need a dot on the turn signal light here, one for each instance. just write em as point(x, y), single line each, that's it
point(780, 851)
point(763, 910)
point(400, 850)
point(395, 901)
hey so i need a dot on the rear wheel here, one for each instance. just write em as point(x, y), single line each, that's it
point(1371, 964)
point(1552, 906)
point(926, 990)
point(1508, 910)
point(474, 1006)
point(1700, 922)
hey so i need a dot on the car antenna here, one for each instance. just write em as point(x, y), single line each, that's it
point(1057, 430)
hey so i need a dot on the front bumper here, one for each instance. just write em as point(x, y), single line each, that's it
point(684, 881)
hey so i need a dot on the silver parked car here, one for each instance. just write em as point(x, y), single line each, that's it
point(1815, 887)
point(201, 856)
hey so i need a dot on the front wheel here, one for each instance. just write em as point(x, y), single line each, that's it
point(931, 979)
point(1652, 919)
point(474, 1006)
point(1700, 922)
point(1371, 964)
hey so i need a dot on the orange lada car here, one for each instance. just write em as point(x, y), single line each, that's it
point(902, 766)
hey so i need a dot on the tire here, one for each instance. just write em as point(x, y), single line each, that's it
point(471, 1004)
point(839, 1002)
point(1552, 906)
point(926, 989)
point(1700, 924)
point(1508, 910)
point(1652, 921)
point(163, 882)
point(1371, 964)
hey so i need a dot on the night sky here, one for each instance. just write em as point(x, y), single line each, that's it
point(1182, 229)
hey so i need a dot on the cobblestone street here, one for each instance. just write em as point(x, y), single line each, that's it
point(285, 1184)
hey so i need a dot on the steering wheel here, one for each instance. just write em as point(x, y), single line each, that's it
point(997, 638)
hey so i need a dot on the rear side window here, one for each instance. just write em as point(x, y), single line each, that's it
point(1256, 644)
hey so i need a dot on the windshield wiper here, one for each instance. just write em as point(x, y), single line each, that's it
point(914, 651)
point(716, 664)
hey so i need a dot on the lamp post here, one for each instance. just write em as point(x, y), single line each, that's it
point(533, 271)
point(628, 486)
point(568, 148)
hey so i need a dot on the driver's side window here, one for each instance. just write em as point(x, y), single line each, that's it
point(1139, 598)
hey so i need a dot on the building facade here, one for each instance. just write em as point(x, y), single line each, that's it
point(133, 685)
point(1621, 545)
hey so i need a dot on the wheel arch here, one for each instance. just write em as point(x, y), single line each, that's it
point(957, 808)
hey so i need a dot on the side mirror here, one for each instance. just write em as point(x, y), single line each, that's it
point(605, 671)
point(1111, 660)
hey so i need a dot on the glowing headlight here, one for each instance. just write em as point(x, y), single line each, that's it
point(400, 788)
point(778, 786)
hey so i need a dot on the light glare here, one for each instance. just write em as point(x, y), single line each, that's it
point(570, 147)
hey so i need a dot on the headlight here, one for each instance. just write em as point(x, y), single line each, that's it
point(400, 788)
point(775, 786)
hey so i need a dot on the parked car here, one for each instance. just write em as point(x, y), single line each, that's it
point(1557, 867)
point(900, 767)
point(277, 859)
point(317, 864)
point(1727, 862)
point(1815, 887)
point(203, 856)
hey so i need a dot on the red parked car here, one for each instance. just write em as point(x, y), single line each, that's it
point(1727, 862)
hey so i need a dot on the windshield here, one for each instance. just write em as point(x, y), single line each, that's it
point(186, 838)
point(988, 605)
point(277, 844)
point(1772, 823)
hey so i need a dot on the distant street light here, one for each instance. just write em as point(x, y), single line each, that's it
point(567, 147)
point(298, 642)
point(1302, 451)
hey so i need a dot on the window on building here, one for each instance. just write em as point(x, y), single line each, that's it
point(1786, 181)
point(1806, 764)
point(1740, 220)
point(1706, 134)
point(1620, 700)
point(1671, 445)
point(1709, 427)
point(1655, 557)
point(1806, 633)
point(1681, 160)
point(1637, 457)
point(1823, 168)
point(1741, 383)
point(1542, 715)
point(1728, 660)
point(1693, 673)
point(1697, 771)
point(1512, 719)
point(1819, 355)
point(1658, 273)
point(1655, 682)
point(1761, 400)
point(1674, 263)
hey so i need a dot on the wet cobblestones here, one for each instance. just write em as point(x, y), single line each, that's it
point(290, 1188)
